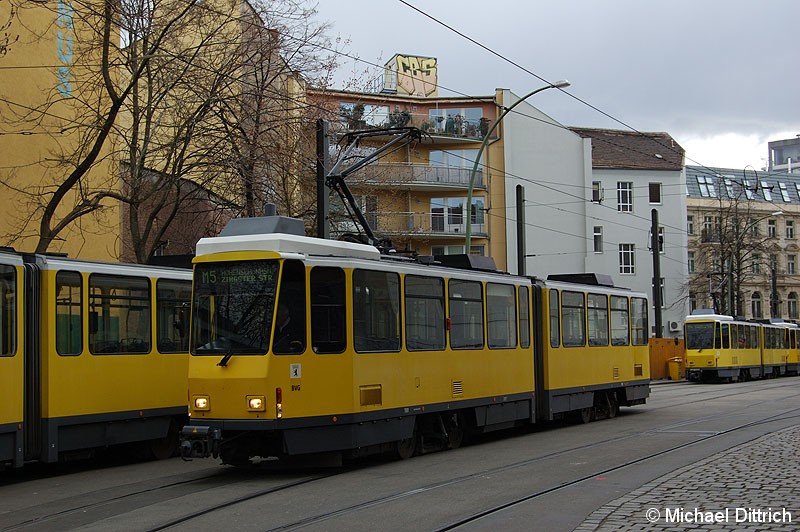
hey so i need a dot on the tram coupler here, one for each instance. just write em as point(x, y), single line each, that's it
point(200, 442)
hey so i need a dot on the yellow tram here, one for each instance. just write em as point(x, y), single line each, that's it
point(93, 354)
point(302, 346)
point(721, 347)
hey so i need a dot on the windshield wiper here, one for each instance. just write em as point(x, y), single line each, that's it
point(224, 360)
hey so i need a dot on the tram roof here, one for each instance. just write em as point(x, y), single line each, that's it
point(286, 243)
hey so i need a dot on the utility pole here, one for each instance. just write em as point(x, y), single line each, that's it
point(323, 205)
point(654, 244)
point(520, 230)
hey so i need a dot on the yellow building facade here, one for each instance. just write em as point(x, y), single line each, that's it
point(43, 95)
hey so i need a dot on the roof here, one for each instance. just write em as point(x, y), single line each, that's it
point(613, 148)
point(775, 188)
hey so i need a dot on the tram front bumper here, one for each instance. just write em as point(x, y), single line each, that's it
point(200, 442)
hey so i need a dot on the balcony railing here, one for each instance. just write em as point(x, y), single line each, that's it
point(394, 224)
point(421, 174)
point(455, 126)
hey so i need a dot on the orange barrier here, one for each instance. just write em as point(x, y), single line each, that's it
point(663, 351)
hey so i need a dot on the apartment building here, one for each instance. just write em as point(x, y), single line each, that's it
point(743, 247)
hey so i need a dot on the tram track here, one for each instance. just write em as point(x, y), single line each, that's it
point(124, 497)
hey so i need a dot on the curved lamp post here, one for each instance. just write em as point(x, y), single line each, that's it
point(562, 84)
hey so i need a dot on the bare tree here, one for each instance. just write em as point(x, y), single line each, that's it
point(6, 38)
point(198, 116)
point(733, 251)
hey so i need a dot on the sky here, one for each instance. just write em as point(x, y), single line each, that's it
point(720, 76)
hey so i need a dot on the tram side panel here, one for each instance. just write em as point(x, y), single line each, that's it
point(103, 379)
point(595, 349)
point(775, 350)
point(12, 343)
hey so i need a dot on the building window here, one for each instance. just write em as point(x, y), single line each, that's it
point(715, 263)
point(791, 264)
point(706, 185)
point(690, 225)
point(597, 192)
point(691, 262)
point(790, 229)
point(692, 302)
point(598, 238)
point(772, 228)
point(655, 192)
point(748, 189)
point(756, 264)
point(729, 187)
point(754, 230)
point(791, 304)
point(625, 196)
point(627, 257)
point(784, 192)
point(766, 190)
point(773, 263)
point(755, 305)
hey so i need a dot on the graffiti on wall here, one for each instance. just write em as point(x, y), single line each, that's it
point(66, 15)
point(416, 76)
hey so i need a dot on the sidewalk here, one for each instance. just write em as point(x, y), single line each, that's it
point(754, 486)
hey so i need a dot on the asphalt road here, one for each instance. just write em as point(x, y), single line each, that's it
point(551, 478)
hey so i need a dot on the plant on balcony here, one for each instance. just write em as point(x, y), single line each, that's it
point(353, 116)
point(484, 126)
point(399, 118)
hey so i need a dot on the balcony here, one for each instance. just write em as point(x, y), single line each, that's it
point(450, 129)
point(410, 175)
point(418, 224)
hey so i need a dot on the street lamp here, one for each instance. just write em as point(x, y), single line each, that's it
point(562, 84)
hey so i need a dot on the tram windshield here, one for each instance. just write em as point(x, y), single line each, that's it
point(700, 335)
point(232, 307)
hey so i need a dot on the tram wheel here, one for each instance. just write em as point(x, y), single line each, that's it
point(405, 448)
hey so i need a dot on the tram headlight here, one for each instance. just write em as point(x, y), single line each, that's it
point(201, 402)
point(256, 403)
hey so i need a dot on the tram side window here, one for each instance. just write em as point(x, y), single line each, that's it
point(524, 317)
point(554, 319)
point(466, 314)
point(597, 307)
point(69, 311)
point(501, 311)
point(172, 315)
point(8, 310)
point(573, 317)
point(376, 311)
point(119, 314)
point(620, 330)
point(639, 326)
point(328, 314)
point(290, 336)
point(424, 297)
point(726, 339)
